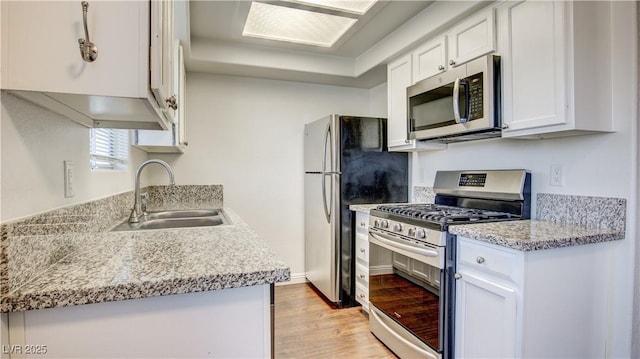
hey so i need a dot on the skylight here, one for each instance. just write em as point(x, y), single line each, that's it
point(300, 26)
point(358, 7)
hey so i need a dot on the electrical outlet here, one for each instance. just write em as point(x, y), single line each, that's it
point(556, 177)
point(68, 179)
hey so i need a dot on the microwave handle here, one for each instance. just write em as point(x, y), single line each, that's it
point(456, 101)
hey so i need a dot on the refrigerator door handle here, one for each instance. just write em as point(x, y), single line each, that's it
point(327, 209)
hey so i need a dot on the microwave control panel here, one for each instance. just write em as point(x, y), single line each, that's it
point(476, 94)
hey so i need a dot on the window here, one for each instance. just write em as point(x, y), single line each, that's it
point(108, 148)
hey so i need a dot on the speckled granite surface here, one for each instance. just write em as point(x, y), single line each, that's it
point(585, 211)
point(532, 235)
point(562, 220)
point(423, 194)
point(56, 270)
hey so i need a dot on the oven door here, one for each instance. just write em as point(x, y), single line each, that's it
point(406, 305)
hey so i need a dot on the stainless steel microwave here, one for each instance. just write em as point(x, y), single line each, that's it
point(460, 104)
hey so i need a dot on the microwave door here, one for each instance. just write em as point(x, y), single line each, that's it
point(432, 109)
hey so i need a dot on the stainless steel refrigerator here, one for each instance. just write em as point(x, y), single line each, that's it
point(346, 162)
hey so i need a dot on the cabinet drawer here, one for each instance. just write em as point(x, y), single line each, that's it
point(362, 223)
point(487, 259)
point(362, 248)
point(362, 294)
point(362, 274)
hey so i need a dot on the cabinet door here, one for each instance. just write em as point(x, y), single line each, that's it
point(429, 59)
point(534, 60)
point(41, 52)
point(398, 79)
point(472, 38)
point(485, 318)
point(162, 53)
point(181, 127)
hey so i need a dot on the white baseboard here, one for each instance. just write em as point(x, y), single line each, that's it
point(296, 278)
point(378, 270)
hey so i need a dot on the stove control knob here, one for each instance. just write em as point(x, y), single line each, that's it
point(376, 223)
point(397, 227)
point(384, 224)
point(411, 232)
point(422, 234)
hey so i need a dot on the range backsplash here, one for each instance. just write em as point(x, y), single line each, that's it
point(585, 211)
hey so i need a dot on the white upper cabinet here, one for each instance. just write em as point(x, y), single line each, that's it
point(556, 68)
point(163, 53)
point(472, 38)
point(42, 61)
point(174, 139)
point(399, 77)
point(468, 40)
point(429, 59)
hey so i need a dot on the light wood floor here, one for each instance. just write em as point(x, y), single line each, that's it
point(308, 327)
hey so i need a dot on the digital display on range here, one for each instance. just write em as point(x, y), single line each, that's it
point(472, 180)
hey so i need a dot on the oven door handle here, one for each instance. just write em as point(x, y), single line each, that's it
point(391, 243)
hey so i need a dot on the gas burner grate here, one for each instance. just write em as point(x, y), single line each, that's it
point(444, 214)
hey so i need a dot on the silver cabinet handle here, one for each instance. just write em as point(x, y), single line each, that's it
point(361, 296)
point(362, 224)
point(479, 260)
point(451, 62)
point(362, 276)
point(505, 126)
point(88, 50)
point(172, 102)
point(362, 250)
point(457, 276)
point(441, 68)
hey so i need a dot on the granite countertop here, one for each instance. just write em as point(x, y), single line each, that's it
point(530, 235)
point(112, 266)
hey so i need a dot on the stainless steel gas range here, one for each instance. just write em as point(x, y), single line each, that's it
point(412, 256)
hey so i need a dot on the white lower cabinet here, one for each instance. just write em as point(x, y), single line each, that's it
point(535, 304)
point(362, 260)
point(229, 323)
point(485, 318)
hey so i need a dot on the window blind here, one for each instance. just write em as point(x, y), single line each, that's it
point(108, 148)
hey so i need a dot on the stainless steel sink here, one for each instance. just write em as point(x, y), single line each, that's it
point(183, 213)
point(176, 219)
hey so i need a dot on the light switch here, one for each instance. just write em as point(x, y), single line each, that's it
point(68, 179)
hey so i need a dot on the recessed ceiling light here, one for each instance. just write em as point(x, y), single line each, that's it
point(294, 25)
point(358, 7)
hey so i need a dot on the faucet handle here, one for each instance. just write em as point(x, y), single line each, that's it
point(144, 200)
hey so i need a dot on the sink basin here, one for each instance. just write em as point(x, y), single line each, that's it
point(183, 213)
point(176, 219)
point(180, 222)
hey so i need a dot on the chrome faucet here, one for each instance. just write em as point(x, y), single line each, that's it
point(137, 211)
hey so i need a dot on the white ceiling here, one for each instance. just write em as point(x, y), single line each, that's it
point(211, 32)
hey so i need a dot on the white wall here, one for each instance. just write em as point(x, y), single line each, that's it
point(247, 134)
point(34, 144)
